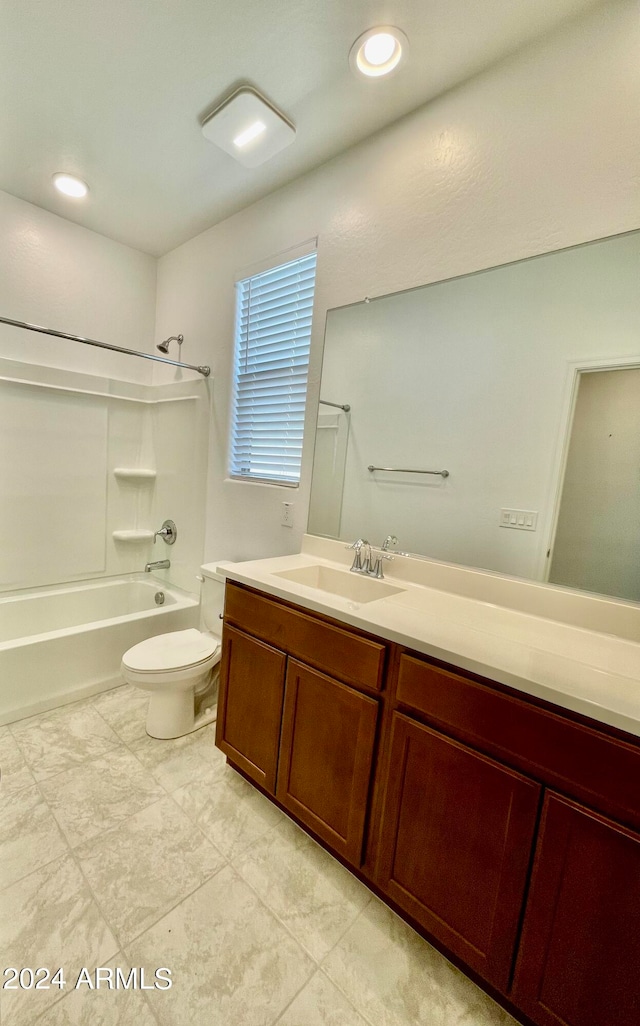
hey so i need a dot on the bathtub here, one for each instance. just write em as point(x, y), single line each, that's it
point(59, 644)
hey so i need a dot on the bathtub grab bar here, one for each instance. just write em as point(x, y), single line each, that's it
point(204, 370)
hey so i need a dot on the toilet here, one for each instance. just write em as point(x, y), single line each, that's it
point(178, 669)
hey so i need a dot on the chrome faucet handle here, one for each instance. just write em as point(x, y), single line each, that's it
point(168, 532)
point(390, 541)
point(357, 565)
point(375, 564)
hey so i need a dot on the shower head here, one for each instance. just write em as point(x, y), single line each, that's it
point(164, 346)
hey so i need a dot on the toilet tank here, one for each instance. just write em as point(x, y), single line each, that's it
point(211, 598)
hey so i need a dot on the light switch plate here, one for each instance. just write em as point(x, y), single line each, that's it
point(519, 519)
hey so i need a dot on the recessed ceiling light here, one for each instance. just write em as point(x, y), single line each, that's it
point(379, 51)
point(70, 185)
point(248, 127)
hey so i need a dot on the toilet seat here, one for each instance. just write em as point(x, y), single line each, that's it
point(171, 653)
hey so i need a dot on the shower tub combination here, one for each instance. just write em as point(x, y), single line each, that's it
point(59, 644)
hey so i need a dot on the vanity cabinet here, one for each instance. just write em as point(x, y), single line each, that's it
point(456, 839)
point(579, 959)
point(469, 766)
point(326, 756)
point(505, 829)
point(250, 705)
point(298, 713)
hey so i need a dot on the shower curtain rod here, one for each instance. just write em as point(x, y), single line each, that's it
point(204, 370)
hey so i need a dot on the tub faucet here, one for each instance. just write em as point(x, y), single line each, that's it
point(160, 564)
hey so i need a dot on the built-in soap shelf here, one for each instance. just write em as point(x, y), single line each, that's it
point(141, 474)
point(132, 536)
point(137, 476)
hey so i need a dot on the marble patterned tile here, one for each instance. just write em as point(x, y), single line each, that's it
point(29, 835)
point(14, 772)
point(99, 794)
point(49, 919)
point(102, 1006)
point(141, 869)
point(394, 978)
point(229, 811)
point(59, 740)
point(233, 963)
point(307, 889)
point(319, 1003)
point(125, 710)
point(172, 763)
point(204, 742)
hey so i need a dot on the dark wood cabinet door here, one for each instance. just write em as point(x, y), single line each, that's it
point(326, 754)
point(579, 960)
point(250, 705)
point(456, 839)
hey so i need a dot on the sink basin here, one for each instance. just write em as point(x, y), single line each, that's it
point(340, 582)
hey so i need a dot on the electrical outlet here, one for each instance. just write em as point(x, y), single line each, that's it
point(519, 519)
point(287, 514)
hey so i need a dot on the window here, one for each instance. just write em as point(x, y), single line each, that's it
point(273, 333)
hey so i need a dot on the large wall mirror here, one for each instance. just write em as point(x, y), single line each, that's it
point(501, 414)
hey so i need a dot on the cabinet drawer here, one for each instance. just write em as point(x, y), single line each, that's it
point(601, 769)
point(342, 654)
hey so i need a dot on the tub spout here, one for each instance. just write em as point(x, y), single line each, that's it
point(160, 564)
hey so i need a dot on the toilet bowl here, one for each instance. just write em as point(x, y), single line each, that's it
point(176, 670)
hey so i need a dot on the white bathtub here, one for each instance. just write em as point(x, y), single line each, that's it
point(59, 644)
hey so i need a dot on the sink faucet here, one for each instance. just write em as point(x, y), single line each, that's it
point(160, 564)
point(368, 562)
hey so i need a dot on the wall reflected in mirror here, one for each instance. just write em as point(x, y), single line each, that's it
point(484, 376)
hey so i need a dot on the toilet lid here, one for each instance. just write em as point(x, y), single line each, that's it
point(171, 651)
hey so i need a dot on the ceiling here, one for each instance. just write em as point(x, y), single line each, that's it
point(115, 91)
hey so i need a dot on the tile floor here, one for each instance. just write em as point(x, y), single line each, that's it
point(117, 850)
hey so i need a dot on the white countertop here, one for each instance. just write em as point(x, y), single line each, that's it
point(575, 667)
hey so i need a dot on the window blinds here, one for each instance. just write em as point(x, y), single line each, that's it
point(273, 332)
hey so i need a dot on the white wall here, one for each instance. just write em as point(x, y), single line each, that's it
point(533, 155)
point(57, 274)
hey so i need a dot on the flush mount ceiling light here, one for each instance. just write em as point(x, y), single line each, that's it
point(248, 128)
point(378, 51)
point(69, 185)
